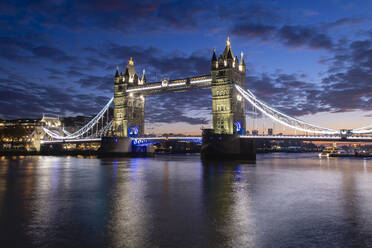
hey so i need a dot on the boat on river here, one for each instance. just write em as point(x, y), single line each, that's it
point(332, 151)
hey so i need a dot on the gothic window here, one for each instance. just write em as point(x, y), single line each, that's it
point(220, 123)
point(221, 108)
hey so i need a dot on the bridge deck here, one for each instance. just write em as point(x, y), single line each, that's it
point(256, 137)
point(309, 138)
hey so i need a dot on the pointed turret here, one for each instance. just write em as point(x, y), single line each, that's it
point(242, 64)
point(131, 71)
point(214, 57)
point(227, 53)
point(116, 78)
point(242, 58)
point(117, 72)
point(135, 79)
point(126, 75)
point(143, 78)
point(214, 62)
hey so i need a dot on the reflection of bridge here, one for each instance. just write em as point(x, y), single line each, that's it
point(227, 81)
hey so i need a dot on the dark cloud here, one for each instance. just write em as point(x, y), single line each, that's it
point(287, 93)
point(296, 36)
point(20, 98)
point(180, 107)
point(16, 50)
point(292, 36)
point(346, 87)
point(347, 21)
point(101, 84)
point(115, 15)
point(52, 53)
point(254, 30)
point(159, 63)
point(348, 84)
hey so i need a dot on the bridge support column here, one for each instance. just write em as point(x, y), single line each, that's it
point(120, 126)
point(227, 146)
point(228, 110)
point(123, 147)
point(129, 108)
point(228, 107)
point(136, 115)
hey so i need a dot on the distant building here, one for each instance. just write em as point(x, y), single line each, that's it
point(14, 134)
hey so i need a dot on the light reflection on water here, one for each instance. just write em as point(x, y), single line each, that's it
point(284, 200)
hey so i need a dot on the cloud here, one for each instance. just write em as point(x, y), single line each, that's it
point(180, 107)
point(114, 15)
point(291, 36)
point(345, 87)
point(16, 50)
point(346, 21)
point(348, 83)
point(20, 98)
point(159, 63)
point(287, 92)
point(52, 53)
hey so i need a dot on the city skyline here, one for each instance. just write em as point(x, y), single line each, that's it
point(60, 58)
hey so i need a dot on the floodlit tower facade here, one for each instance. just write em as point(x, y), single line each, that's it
point(129, 108)
point(228, 107)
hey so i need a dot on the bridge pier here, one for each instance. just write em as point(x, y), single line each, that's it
point(228, 111)
point(227, 146)
point(123, 147)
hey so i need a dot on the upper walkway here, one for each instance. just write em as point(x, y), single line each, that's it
point(177, 85)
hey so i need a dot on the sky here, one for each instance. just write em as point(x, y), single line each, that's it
point(310, 59)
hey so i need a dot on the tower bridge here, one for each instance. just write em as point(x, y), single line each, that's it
point(228, 134)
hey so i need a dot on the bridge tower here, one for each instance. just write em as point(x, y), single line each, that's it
point(129, 108)
point(228, 107)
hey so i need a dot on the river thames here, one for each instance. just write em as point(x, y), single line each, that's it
point(283, 200)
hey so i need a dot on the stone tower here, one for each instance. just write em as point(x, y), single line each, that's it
point(228, 107)
point(129, 108)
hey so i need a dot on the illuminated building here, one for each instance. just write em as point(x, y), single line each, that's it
point(129, 108)
point(228, 109)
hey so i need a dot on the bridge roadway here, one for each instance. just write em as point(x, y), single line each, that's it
point(144, 140)
point(136, 140)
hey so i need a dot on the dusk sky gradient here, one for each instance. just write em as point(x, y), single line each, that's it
point(310, 59)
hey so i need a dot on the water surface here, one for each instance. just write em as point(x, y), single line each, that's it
point(284, 200)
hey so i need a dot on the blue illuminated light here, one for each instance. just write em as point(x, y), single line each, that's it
point(238, 127)
point(133, 131)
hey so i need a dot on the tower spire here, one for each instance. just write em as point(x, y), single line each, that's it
point(117, 71)
point(242, 58)
point(143, 79)
point(214, 57)
point(227, 53)
point(242, 64)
